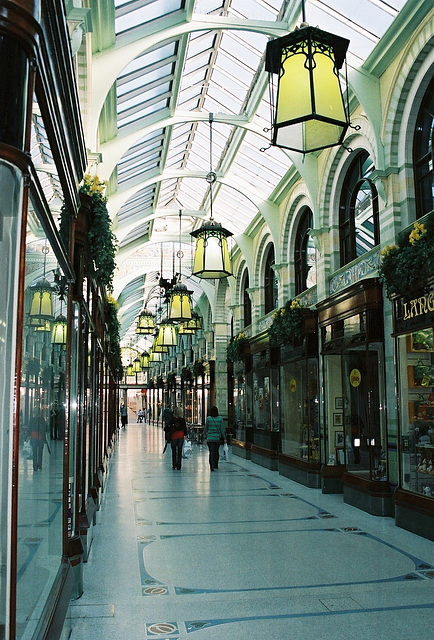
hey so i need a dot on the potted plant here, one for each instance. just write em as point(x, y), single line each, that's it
point(405, 267)
point(286, 327)
point(237, 346)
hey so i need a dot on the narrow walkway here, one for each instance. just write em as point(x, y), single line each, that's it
point(245, 554)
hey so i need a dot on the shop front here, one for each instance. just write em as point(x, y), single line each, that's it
point(414, 344)
point(240, 386)
point(299, 458)
point(265, 403)
point(355, 442)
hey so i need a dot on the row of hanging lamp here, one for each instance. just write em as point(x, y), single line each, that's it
point(309, 112)
point(166, 336)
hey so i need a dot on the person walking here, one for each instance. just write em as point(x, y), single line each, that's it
point(38, 430)
point(124, 416)
point(215, 434)
point(178, 432)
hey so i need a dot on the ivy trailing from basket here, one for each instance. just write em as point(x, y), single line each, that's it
point(236, 345)
point(102, 241)
point(186, 374)
point(113, 326)
point(286, 327)
point(199, 368)
point(407, 266)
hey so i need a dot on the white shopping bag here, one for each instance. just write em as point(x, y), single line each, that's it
point(187, 450)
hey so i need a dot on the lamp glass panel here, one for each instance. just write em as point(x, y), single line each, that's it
point(328, 95)
point(199, 255)
point(293, 99)
point(42, 304)
point(180, 307)
point(58, 335)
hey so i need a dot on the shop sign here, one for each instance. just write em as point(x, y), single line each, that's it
point(355, 378)
point(418, 306)
point(292, 385)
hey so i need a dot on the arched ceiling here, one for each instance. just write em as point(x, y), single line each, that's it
point(159, 68)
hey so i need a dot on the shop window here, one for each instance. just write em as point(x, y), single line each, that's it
point(305, 254)
point(270, 283)
point(416, 388)
point(247, 303)
point(358, 211)
point(423, 155)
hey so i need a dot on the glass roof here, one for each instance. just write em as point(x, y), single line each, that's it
point(186, 65)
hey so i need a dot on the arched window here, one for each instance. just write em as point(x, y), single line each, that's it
point(358, 211)
point(247, 303)
point(423, 155)
point(304, 254)
point(270, 283)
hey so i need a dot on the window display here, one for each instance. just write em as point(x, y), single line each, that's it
point(416, 365)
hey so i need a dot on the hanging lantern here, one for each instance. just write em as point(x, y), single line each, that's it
point(309, 113)
point(145, 360)
point(137, 365)
point(41, 308)
point(179, 303)
point(191, 326)
point(211, 257)
point(166, 334)
point(60, 325)
point(159, 348)
point(155, 356)
point(145, 323)
point(130, 370)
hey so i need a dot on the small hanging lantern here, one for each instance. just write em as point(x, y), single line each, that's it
point(41, 308)
point(145, 322)
point(179, 303)
point(191, 326)
point(159, 348)
point(309, 112)
point(130, 370)
point(166, 336)
point(155, 356)
point(145, 360)
point(60, 325)
point(137, 365)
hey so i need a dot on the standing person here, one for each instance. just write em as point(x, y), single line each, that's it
point(215, 433)
point(38, 430)
point(178, 431)
point(124, 415)
point(167, 416)
point(149, 413)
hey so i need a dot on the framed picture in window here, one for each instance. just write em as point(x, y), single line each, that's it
point(339, 439)
point(338, 419)
point(339, 403)
point(421, 341)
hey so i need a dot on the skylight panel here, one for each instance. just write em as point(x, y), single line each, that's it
point(254, 10)
point(139, 12)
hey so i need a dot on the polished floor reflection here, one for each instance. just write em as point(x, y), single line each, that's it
point(242, 553)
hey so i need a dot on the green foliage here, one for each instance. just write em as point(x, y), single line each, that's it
point(406, 266)
point(287, 324)
point(111, 319)
point(199, 368)
point(236, 346)
point(186, 374)
point(102, 241)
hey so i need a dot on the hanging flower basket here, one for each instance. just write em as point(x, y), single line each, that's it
point(406, 267)
point(286, 327)
point(199, 368)
point(237, 347)
point(171, 380)
point(186, 374)
point(160, 382)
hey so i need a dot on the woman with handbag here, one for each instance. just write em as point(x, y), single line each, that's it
point(215, 434)
point(178, 431)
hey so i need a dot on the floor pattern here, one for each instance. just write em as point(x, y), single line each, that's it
point(242, 553)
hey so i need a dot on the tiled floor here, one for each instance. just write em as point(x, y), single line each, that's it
point(244, 554)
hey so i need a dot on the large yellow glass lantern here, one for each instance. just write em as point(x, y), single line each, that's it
point(145, 360)
point(60, 325)
point(211, 257)
point(190, 326)
point(166, 336)
point(145, 323)
point(41, 308)
point(179, 303)
point(309, 111)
